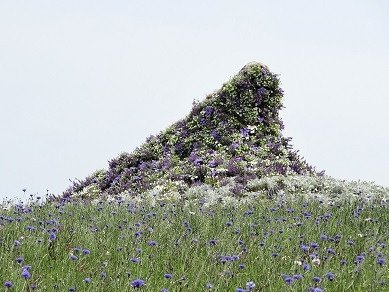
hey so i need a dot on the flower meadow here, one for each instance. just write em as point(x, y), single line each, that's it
point(218, 201)
point(271, 242)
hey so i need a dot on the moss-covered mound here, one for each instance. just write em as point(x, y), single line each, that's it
point(235, 133)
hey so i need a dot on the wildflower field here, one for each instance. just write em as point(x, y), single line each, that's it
point(264, 243)
point(219, 201)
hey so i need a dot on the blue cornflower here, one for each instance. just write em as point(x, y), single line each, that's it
point(168, 276)
point(212, 241)
point(239, 290)
point(304, 247)
point(297, 277)
point(72, 289)
point(306, 267)
point(317, 279)
point(152, 243)
point(330, 276)
point(288, 280)
point(138, 283)
point(8, 284)
point(381, 261)
point(250, 285)
point(52, 236)
point(25, 274)
point(164, 290)
point(87, 280)
point(73, 257)
point(209, 286)
point(86, 251)
point(17, 243)
point(19, 260)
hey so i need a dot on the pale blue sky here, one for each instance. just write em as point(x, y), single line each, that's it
point(82, 81)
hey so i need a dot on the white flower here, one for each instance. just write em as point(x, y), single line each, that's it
point(316, 261)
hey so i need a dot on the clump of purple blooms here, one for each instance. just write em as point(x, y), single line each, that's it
point(237, 128)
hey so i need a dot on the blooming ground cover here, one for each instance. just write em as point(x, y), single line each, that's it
point(266, 244)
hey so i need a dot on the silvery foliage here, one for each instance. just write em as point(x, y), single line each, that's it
point(280, 188)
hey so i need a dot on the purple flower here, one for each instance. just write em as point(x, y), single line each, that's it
point(306, 267)
point(19, 260)
point(87, 280)
point(209, 286)
point(168, 276)
point(208, 110)
point(138, 283)
point(323, 237)
point(73, 257)
point(304, 247)
point(288, 280)
point(242, 266)
point(212, 241)
point(330, 276)
point(86, 251)
point(215, 135)
point(152, 243)
point(17, 243)
point(316, 279)
point(381, 261)
point(25, 274)
point(8, 284)
point(134, 260)
point(250, 285)
point(297, 277)
point(52, 236)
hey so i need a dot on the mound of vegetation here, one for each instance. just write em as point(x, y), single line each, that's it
point(234, 134)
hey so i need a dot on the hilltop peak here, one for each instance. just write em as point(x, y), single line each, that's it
point(235, 134)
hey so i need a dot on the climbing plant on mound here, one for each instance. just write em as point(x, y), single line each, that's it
point(235, 134)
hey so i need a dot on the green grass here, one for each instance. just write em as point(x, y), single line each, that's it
point(107, 226)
